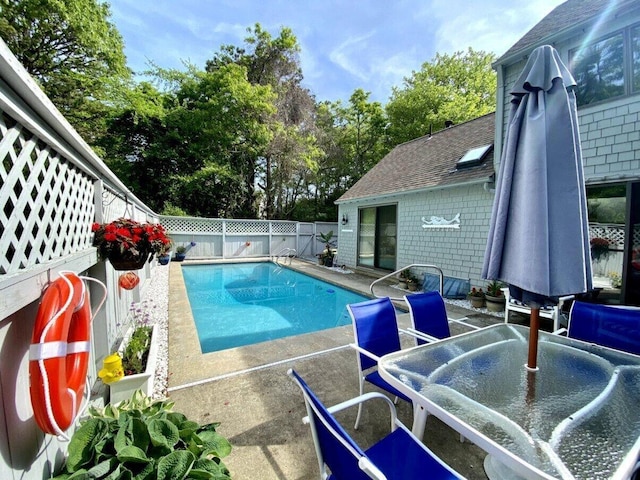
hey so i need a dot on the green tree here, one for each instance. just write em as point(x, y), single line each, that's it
point(352, 139)
point(456, 87)
point(188, 146)
point(73, 51)
point(292, 151)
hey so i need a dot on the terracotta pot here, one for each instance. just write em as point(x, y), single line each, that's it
point(476, 302)
point(495, 304)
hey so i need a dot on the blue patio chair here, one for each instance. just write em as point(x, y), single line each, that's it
point(429, 321)
point(613, 326)
point(428, 314)
point(375, 330)
point(399, 455)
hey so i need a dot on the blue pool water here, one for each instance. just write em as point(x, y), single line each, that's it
point(244, 303)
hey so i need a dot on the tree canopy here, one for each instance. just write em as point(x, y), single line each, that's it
point(241, 137)
point(73, 51)
point(457, 88)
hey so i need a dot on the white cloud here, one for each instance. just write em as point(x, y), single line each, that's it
point(348, 56)
point(489, 25)
point(344, 45)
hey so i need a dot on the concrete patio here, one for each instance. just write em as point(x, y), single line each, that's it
point(260, 409)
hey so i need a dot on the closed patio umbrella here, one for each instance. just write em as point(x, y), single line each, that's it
point(538, 239)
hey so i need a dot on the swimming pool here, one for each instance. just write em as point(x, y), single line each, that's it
point(238, 304)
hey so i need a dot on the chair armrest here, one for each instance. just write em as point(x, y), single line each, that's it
point(361, 399)
point(561, 300)
point(365, 352)
point(419, 335)
point(560, 331)
point(370, 469)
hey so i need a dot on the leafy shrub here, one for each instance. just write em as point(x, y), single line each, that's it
point(144, 439)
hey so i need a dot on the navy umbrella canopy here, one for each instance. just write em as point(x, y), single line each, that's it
point(539, 238)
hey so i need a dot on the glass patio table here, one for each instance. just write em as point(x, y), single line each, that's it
point(576, 417)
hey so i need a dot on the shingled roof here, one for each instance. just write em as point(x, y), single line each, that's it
point(429, 161)
point(565, 17)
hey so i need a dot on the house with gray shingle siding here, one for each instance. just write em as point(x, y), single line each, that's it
point(599, 40)
point(420, 205)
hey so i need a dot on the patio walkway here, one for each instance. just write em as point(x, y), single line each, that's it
point(260, 409)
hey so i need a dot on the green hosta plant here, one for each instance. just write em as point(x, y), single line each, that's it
point(144, 439)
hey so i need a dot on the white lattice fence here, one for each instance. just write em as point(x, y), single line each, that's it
point(46, 204)
point(192, 225)
point(221, 238)
point(613, 233)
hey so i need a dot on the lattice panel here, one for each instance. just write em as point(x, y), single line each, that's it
point(46, 204)
point(247, 227)
point(191, 225)
point(283, 227)
point(613, 233)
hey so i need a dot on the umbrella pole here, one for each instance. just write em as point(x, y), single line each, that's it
point(532, 362)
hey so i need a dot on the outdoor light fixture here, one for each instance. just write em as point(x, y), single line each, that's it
point(345, 219)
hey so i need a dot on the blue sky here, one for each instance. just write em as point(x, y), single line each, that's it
point(345, 44)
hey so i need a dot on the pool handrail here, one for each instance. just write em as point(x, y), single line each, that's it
point(397, 272)
point(286, 252)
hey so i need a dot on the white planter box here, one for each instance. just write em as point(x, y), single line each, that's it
point(124, 388)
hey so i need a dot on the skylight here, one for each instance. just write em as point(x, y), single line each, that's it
point(473, 157)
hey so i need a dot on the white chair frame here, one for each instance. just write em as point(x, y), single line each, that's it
point(552, 313)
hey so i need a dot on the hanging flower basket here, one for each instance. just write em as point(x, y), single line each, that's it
point(128, 261)
point(129, 244)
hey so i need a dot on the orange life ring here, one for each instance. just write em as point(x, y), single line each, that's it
point(59, 353)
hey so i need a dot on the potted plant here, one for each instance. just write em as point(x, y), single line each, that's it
point(495, 296)
point(403, 276)
point(144, 438)
point(476, 297)
point(129, 244)
point(327, 253)
point(181, 253)
point(412, 283)
point(164, 257)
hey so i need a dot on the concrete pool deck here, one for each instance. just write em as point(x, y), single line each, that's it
point(260, 409)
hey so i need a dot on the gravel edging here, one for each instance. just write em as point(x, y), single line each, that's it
point(155, 299)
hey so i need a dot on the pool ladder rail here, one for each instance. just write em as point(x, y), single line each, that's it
point(284, 255)
point(397, 273)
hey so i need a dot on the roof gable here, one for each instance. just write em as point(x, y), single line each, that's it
point(429, 161)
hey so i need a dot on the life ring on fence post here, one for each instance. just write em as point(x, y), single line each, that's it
point(59, 353)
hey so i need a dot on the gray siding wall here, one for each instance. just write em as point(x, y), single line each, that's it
point(459, 252)
point(609, 131)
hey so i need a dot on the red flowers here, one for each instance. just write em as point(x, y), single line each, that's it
point(126, 235)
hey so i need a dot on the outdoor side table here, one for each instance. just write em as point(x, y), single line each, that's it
point(576, 417)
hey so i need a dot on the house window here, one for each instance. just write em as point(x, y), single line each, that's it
point(635, 49)
point(598, 69)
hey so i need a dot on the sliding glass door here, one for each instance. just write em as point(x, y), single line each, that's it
point(614, 225)
point(631, 271)
point(377, 237)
